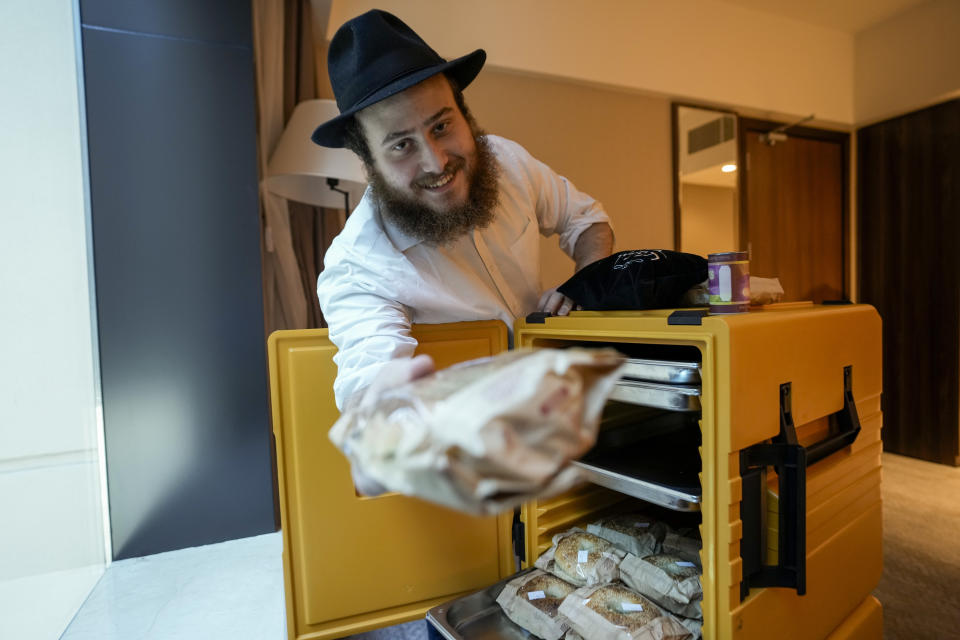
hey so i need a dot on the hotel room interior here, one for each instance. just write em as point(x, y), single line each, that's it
point(148, 252)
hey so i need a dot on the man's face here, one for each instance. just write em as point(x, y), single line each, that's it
point(421, 144)
point(432, 172)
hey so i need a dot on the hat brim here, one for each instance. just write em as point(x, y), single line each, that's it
point(463, 70)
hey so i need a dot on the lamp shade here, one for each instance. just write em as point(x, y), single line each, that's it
point(298, 168)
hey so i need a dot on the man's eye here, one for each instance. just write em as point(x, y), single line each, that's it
point(440, 127)
point(402, 145)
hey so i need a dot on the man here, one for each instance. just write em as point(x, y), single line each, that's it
point(449, 227)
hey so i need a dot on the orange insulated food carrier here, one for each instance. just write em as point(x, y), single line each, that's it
point(778, 468)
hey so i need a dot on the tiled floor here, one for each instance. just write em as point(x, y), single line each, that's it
point(229, 590)
point(232, 590)
point(39, 607)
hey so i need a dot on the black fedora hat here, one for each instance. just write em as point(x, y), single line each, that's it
point(375, 56)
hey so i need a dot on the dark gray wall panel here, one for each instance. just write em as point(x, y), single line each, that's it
point(172, 144)
point(908, 193)
point(222, 21)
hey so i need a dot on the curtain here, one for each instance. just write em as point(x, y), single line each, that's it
point(294, 235)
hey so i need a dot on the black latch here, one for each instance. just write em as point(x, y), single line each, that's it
point(687, 316)
point(518, 534)
point(790, 460)
point(537, 317)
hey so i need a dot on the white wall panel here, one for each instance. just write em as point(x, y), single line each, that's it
point(52, 547)
point(51, 517)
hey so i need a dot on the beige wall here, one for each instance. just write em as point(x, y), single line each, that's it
point(709, 223)
point(620, 58)
point(614, 145)
point(696, 49)
point(702, 50)
point(907, 62)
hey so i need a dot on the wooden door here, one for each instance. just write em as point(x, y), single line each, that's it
point(793, 209)
point(908, 192)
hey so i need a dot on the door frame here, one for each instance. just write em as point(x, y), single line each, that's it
point(675, 157)
point(754, 125)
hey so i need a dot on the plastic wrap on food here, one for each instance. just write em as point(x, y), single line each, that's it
point(765, 290)
point(685, 543)
point(485, 435)
point(693, 625)
point(638, 534)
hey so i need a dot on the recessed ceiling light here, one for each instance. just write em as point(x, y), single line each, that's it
point(728, 168)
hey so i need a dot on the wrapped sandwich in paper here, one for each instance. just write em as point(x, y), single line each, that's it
point(669, 580)
point(531, 601)
point(639, 534)
point(485, 435)
point(582, 558)
point(614, 612)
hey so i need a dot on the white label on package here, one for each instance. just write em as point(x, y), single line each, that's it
point(684, 563)
point(642, 525)
point(630, 606)
point(583, 556)
point(536, 595)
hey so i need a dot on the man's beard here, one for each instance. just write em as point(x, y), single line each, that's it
point(420, 221)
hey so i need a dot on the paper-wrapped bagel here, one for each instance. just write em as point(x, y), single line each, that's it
point(582, 558)
point(485, 435)
point(614, 612)
point(532, 600)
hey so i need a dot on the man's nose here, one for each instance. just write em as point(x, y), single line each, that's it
point(433, 159)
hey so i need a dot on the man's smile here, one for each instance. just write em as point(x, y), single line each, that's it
point(444, 179)
point(441, 183)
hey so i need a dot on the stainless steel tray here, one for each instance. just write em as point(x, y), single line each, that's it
point(674, 397)
point(665, 371)
point(671, 497)
point(477, 617)
point(663, 469)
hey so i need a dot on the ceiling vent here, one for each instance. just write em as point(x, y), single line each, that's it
point(711, 134)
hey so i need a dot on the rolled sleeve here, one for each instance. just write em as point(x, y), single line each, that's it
point(560, 207)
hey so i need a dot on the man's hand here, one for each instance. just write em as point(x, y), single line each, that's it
point(594, 243)
point(555, 303)
point(396, 373)
point(393, 374)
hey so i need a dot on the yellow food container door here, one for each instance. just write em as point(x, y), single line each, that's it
point(353, 563)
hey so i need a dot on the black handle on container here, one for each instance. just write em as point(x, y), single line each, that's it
point(790, 461)
point(845, 422)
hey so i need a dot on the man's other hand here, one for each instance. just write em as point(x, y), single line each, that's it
point(398, 372)
point(393, 374)
point(555, 303)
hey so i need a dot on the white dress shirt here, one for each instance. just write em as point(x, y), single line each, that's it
point(377, 280)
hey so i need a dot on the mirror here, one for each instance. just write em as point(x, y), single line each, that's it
point(705, 177)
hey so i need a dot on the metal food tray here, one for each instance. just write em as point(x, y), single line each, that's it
point(663, 469)
point(666, 371)
point(671, 497)
point(477, 616)
point(673, 397)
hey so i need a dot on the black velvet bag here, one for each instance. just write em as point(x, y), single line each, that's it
point(640, 279)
